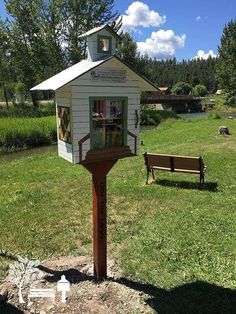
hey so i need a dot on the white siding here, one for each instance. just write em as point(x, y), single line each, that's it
point(83, 88)
point(65, 151)
point(63, 99)
point(92, 45)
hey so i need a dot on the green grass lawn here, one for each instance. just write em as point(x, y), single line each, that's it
point(168, 234)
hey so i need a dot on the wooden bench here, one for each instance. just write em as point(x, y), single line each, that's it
point(173, 163)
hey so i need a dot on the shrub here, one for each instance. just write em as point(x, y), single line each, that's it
point(154, 117)
point(20, 88)
point(232, 101)
point(200, 90)
point(214, 115)
point(182, 88)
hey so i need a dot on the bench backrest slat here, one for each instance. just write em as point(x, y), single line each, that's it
point(187, 163)
point(161, 161)
point(173, 162)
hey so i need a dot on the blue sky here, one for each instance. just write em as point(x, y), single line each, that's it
point(200, 21)
point(168, 28)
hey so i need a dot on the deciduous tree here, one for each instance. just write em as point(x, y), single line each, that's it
point(200, 90)
point(182, 88)
point(83, 15)
point(4, 60)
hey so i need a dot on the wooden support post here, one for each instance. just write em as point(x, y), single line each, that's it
point(99, 227)
point(99, 171)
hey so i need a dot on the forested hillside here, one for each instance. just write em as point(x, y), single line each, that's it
point(169, 72)
point(42, 37)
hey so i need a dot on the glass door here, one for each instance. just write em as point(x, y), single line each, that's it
point(108, 122)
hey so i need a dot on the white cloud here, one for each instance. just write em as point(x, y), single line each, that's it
point(139, 14)
point(201, 18)
point(162, 44)
point(205, 55)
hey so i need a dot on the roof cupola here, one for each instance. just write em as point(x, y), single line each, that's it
point(101, 42)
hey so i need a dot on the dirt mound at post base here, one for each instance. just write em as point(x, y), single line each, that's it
point(85, 295)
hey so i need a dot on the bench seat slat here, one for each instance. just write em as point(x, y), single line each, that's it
point(177, 170)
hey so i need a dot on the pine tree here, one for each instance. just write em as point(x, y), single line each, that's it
point(127, 49)
point(226, 65)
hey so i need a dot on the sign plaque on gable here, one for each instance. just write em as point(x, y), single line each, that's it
point(108, 75)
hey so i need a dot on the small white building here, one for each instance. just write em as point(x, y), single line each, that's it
point(98, 102)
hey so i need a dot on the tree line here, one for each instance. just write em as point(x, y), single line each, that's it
point(169, 72)
point(212, 73)
point(41, 38)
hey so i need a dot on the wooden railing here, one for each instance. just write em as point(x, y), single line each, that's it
point(85, 138)
point(135, 141)
point(169, 99)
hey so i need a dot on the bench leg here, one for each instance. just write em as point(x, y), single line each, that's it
point(153, 176)
point(147, 175)
point(150, 171)
point(202, 180)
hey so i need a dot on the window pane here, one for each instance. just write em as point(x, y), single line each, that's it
point(108, 123)
point(104, 44)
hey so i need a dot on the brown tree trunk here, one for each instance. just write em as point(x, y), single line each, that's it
point(34, 99)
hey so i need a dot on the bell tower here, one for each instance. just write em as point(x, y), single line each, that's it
point(101, 42)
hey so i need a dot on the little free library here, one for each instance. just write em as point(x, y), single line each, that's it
point(97, 107)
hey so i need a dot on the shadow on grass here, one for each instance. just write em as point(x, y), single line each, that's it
point(7, 308)
point(196, 297)
point(208, 186)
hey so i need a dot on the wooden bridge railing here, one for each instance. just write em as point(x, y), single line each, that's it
point(169, 99)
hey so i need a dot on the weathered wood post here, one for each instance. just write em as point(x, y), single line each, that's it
point(99, 172)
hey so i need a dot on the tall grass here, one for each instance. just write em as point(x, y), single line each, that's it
point(27, 110)
point(17, 133)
